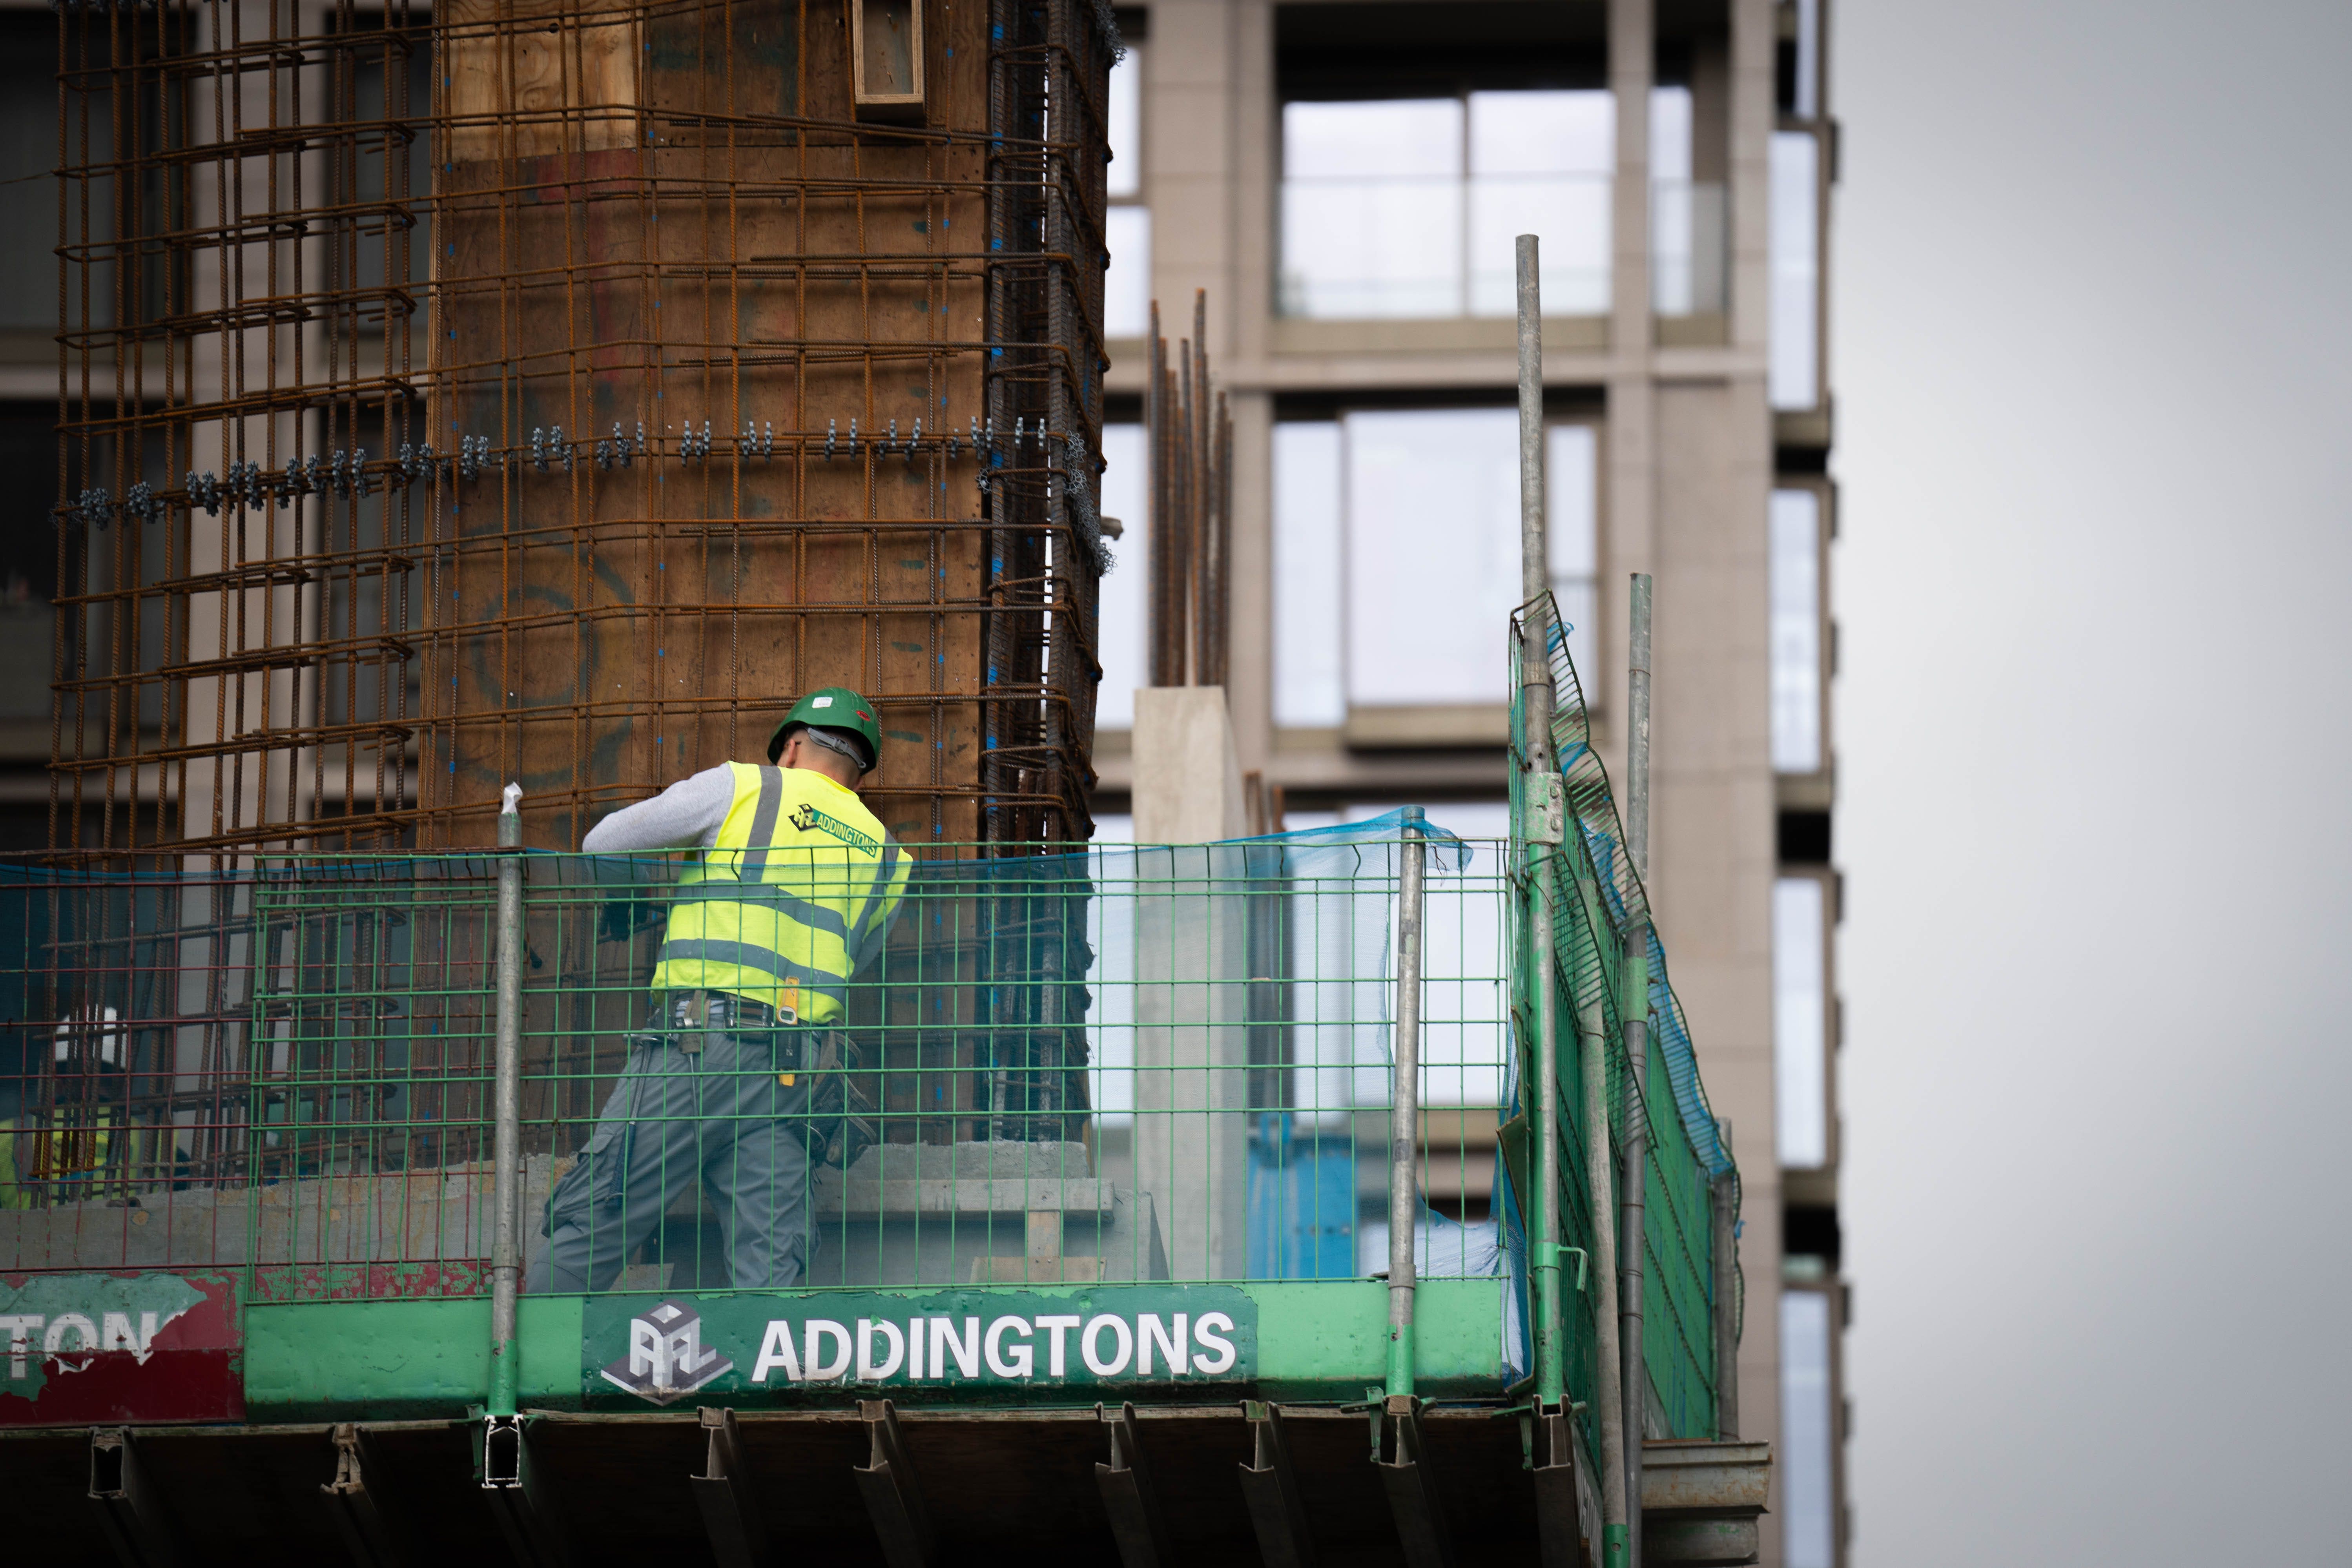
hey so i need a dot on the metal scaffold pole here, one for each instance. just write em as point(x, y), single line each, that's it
point(1634, 1010)
point(1535, 678)
point(1405, 1116)
point(506, 1256)
point(1609, 1399)
point(1726, 1299)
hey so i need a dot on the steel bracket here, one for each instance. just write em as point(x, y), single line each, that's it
point(731, 1508)
point(1543, 809)
point(1413, 1502)
point(129, 1509)
point(1127, 1495)
point(358, 1511)
point(1563, 1526)
point(894, 1499)
point(1270, 1487)
point(516, 1497)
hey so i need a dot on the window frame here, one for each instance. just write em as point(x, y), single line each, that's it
point(1389, 726)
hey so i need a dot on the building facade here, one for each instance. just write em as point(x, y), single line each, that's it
point(1344, 178)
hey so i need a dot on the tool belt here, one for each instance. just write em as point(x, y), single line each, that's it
point(722, 1010)
point(840, 1121)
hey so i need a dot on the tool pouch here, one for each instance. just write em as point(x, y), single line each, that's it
point(841, 1121)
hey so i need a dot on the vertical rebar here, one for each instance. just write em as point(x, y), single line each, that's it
point(1635, 1012)
point(1405, 1113)
point(1551, 1378)
point(1726, 1297)
point(506, 1191)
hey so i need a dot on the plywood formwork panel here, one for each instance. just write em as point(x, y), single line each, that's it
point(687, 390)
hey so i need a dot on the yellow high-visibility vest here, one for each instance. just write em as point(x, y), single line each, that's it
point(797, 891)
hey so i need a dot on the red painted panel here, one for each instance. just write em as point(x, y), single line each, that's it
point(121, 1346)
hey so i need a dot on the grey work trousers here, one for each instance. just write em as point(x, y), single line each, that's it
point(719, 1116)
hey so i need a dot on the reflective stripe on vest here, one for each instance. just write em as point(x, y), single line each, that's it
point(784, 926)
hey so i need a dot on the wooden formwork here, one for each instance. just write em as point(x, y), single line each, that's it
point(682, 367)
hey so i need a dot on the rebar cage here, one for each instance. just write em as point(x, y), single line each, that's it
point(548, 391)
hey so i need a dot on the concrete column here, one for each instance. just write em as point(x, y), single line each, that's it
point(1250, 673)
point(1187, 776)
point(1738, 1070)
point(1191, 1040)
point(1630, 457)
point(1752, 116)
point(1711, 873)
point(1256, 165)
point(1189, 122)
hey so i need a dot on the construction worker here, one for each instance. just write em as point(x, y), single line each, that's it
point(796, 889)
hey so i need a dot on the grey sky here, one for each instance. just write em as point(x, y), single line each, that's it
point(2094, 327)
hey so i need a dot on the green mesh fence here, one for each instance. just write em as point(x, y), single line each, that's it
point(1101, 1063)
point(1597, 904)
point(1113, 1063)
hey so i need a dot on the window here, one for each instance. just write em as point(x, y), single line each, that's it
point(1799, 69)
point(1800, 1058)
point(1687, 229)
point(1309, 685)
point(1126, 221)
point(1807, 1431)
point(1121, 628)
point(1409, 207)
point(1795, 571)
point(1794, 372)
point(28, 151)
point(1572, 535)
point(1423, 608)
point(1373, 608)
point(29, 562)
point(1463, 1000)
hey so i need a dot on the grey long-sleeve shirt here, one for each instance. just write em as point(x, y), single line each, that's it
point(686, 815)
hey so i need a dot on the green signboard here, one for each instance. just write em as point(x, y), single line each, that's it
point(1102, 1340)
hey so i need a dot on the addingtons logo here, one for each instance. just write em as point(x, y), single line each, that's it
point(809, 819)
point(803, 1342)
point(666, 1359)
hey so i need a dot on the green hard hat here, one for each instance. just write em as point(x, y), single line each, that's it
point(832, 708)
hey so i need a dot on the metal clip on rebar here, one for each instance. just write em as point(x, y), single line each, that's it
point(914, 441)
point(832, 433)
